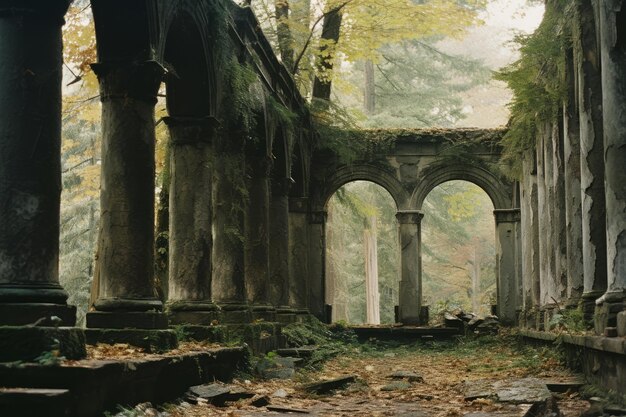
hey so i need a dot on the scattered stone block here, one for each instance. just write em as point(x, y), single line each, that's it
point(218, 394)
point(280, 393)
point(571, 385)
point(610, 331)
point(260, 401)
point(409, 376)
point(615, 410)
point(300, 352)
point(323, 387)
point(478, 389)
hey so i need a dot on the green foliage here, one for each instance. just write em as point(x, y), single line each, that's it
point(243, 100)
point(537, 80)
point(569, 320)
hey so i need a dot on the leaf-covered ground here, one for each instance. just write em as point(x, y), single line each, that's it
point(445, 368)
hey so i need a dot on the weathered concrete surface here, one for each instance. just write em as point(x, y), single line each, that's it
point(591, 158)
point(279, 242)
point(573, 207)
point(317, 264)
point(298, 253)
point(559, 237)
point(257, 231)
point(228, 284)
point(530, 233)
point(506, 265)
point(410, 291)
point(612, 16)
point(30, 148)
point(21, 343)
point(190, 209)
point(125, 243)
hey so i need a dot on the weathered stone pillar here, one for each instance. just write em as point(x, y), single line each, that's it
point(591, 160)
point(612, 14)
point(257, 225)
point(543, 221)
point(30, 162)
point(190, 210)
point(506, 268)
point(530, 239)
point(558, 206)
point(279, 244)
point(410, 236)
point(125, 267)
point(317, 264)
point(228, 285)
point(573, 203)
point(298, 254)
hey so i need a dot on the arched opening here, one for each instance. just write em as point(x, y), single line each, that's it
point(458, 250)
point(362, 254)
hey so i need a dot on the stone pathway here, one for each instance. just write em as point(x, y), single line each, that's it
point(441, 381)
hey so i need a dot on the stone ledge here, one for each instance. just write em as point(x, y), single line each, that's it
point(99, 386)
point(150, 340)
point(23, 343)
point(34, 402)
point(605, 344)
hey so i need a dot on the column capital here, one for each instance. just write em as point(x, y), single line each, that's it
point(191, 130)
point(409, 216)
point(56, 9)
point(124, 80)
point(298, 204)
point(507, 216)
point(318, 217)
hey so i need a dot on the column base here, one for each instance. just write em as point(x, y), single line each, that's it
point(263, 313)
point(606, 315)
point(20, 314)
point(588, 304)
point(149, 320)
point(202, 313)
point(152, 340)
point(231, 313)
point(285, 315)
point(29, 343)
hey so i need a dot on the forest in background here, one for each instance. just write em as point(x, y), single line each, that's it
point(372, 63)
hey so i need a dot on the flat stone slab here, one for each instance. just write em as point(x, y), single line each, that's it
point(565, 385)
point(514, 391)
point(522, 391)
point(152, 340)
point(323, 387)
point(218, 394)
point(34, 402)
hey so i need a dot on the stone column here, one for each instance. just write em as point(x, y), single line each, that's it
point(125, 265)
point(573, 203)
point(229, 203)
point(410, 236)
point(530, 239)
point(190, 219)
point(591, 160)
point(298, 254)
point(612, 14)
point(317, 264)
point(506, 268)
point(558, 206)
point(543, 223)
point(279, 244)
point(30, 162)
point(257, 225)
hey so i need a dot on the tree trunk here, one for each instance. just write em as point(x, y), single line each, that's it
point(370, 88)
point(372, 298)
point(325, 62)
point(283, 32)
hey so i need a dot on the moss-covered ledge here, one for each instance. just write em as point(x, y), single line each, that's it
point(601, 359)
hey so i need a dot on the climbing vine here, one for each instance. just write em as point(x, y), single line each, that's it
point(538, 80)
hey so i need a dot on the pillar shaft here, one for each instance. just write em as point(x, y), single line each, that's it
point(573, 204)
point(279, 242)
point(125, 244)
point(591, 158)
point(410, 236)
point(30, 161)
point(257, 232)
point(530, 234)
point(190, 210)
point(228, 286)
point(506, 267)
point(613, 49)
point(317, 264)
point(298, 253)
point(558, 206)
